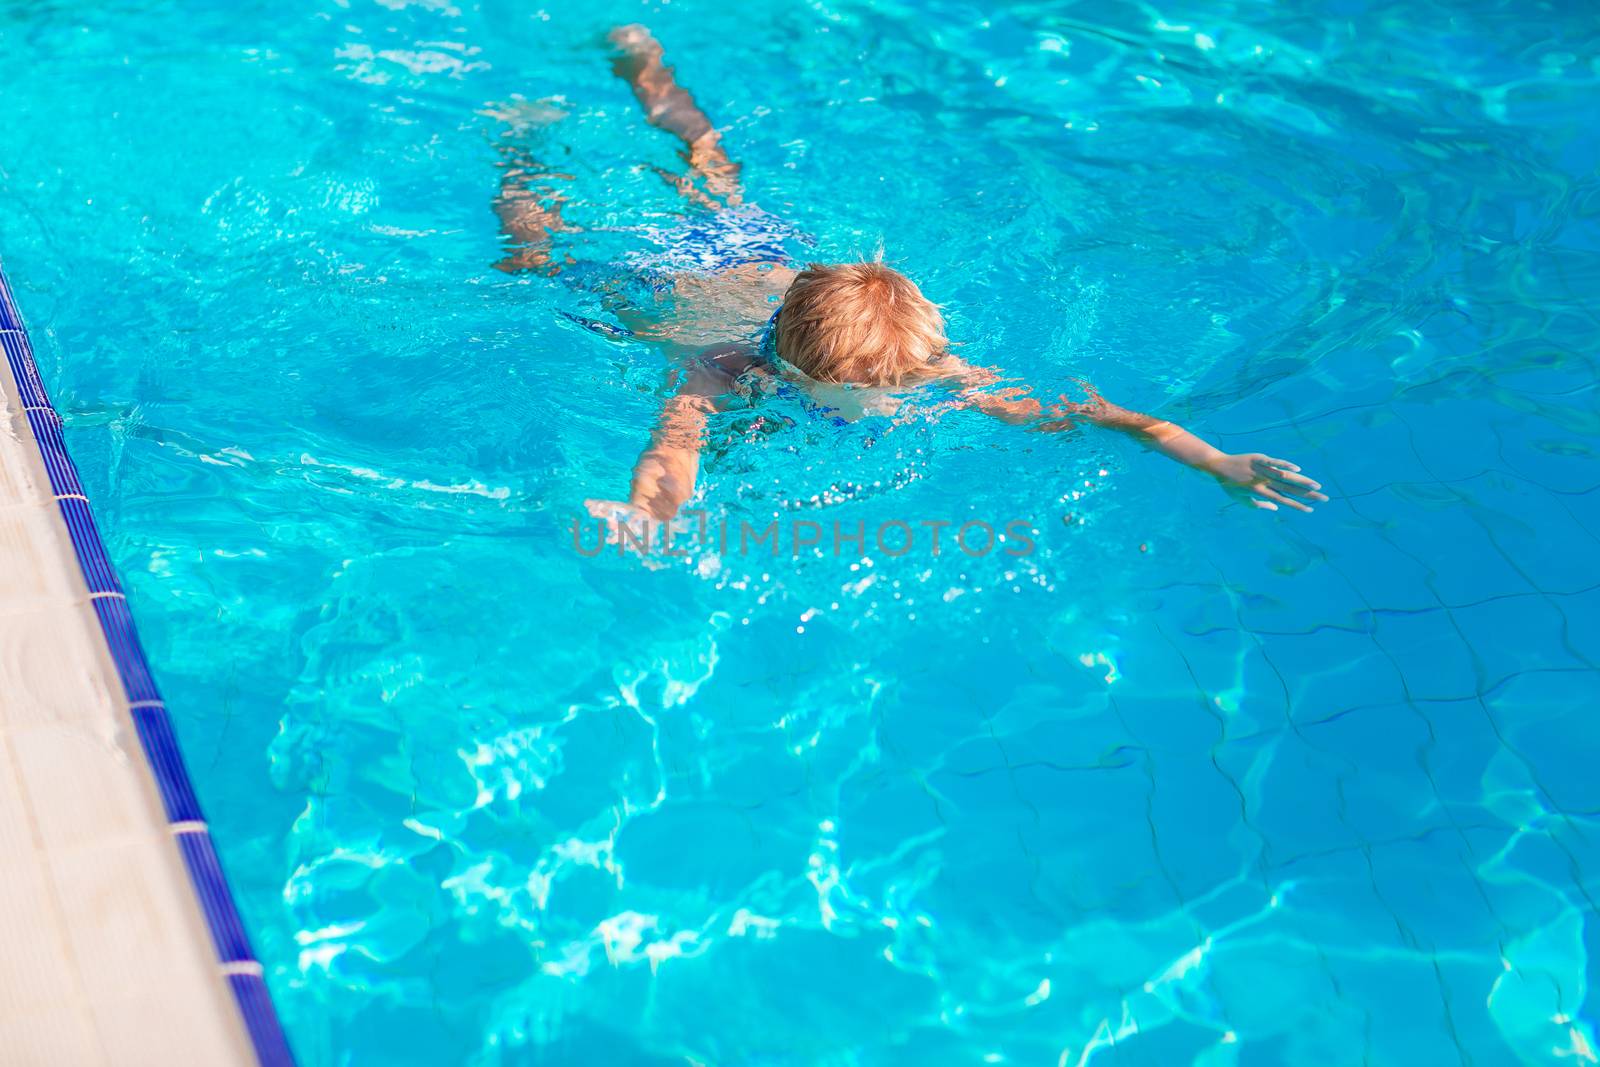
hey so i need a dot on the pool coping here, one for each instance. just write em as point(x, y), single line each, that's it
point(144, 707)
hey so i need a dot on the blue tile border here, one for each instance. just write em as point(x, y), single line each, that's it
point(250, 990)
point(149, 714)
point(19, 356)
point(117, 625)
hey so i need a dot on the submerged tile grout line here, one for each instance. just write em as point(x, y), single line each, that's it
point(236, 961)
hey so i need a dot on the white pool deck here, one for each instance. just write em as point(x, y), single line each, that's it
point(105, 957)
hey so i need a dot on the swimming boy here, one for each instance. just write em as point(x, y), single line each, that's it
point(851, 335)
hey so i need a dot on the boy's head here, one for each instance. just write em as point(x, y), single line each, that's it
point(861, 323)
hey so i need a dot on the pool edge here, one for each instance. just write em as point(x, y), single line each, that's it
point(237, 967)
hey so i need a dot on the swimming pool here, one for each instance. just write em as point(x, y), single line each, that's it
point(1185, 784)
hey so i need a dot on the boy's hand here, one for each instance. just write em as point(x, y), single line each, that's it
point(619, 513)
point(1264, 482)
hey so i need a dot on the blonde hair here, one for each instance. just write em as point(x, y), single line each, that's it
point(861, 323)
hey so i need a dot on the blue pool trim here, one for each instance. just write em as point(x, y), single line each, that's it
point(145, 707)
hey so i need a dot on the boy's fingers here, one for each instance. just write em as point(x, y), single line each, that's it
point(1276, 464)
point(1296, 483)
point(1272, 494)
point(1264, 505)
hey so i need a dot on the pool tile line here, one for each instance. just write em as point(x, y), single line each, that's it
point(19, 355)
point(236, 960)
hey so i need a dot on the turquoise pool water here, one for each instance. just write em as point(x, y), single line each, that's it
point(1188, 784)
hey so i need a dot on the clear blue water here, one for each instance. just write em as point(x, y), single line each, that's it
point(1190, 784)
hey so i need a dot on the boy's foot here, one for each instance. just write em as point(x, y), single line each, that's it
point(524, 115)
point(638, 53)
point(635, 40)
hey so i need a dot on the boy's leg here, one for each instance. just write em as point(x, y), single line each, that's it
point(669, 106)
point(529, 207)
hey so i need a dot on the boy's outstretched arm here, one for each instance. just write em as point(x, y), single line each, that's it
point(664, 475)
point(1261, 480)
